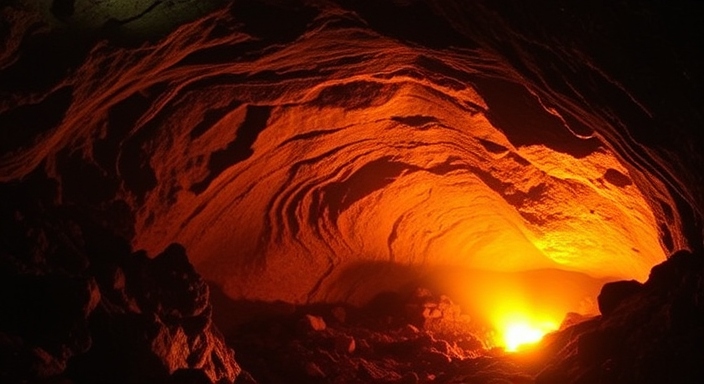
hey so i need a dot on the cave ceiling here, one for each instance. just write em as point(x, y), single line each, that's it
point(289, 147)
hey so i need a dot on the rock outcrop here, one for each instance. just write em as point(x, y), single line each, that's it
point(78, 304)
point(653, 335)
point(613, 294)
point(155, 320)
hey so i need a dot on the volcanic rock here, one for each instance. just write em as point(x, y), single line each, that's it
point(374, 373)
point(313, 323)
point(327, 151)
point(669, 275)
point(345, 344)
point(160, 324)
point(78, 303)
point(654, 335)
point(612, 294)
point(259, 145)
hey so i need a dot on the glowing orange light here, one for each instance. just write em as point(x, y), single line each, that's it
point(518, 309)
point(519, 321)
point(519, 332)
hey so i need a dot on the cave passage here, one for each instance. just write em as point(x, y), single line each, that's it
point(319, 154)
point(294, 171)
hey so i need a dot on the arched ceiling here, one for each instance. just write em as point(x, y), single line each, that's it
point(288, 153)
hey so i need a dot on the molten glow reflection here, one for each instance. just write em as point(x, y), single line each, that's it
point(523, 308)
point(518, 331)
point(515, 309)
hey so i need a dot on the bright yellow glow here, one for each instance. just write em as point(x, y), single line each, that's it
point(521, 310)
point(511, 310)
point(518, 332)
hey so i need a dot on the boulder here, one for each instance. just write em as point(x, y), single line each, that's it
point(613, 294)
point(313, 323)
point(669, 274)
point(649, 333)
point(156, 320)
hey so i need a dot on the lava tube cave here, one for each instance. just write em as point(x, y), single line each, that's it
point(338, 191)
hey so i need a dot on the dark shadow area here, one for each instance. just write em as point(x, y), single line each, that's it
point(134, 161)
point(20, 126)
point(375, 176)
point(412, 21)
point(493, 147)
point(122, 117)
point(79, 175)
point(371, 177)
point(525, 122)
point(652, 48)
point(211, 117)
point(45, 59)
point(239, 149)
point(63, 8)
point(617, 178)
point(276, 22)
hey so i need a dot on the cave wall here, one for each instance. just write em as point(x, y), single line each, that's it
point(290, 148)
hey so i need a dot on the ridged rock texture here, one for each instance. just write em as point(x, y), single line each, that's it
point(322, 151)
point(285, 151)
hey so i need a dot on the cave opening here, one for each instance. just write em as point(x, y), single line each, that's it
point(404, 192)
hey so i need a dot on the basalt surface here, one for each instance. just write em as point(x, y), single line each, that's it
point(329, 151)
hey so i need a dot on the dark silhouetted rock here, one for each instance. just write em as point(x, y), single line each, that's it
point(75, 301)
point(613, 294)
point(573, 318)
point(45, 322)
point(650, 333)
point(157, 318)
point(189, 376)
point(670, 274)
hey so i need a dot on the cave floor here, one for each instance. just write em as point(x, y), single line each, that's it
point(391, 340)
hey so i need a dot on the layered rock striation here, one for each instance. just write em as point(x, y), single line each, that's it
point(290, 151)
point(325, 151)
